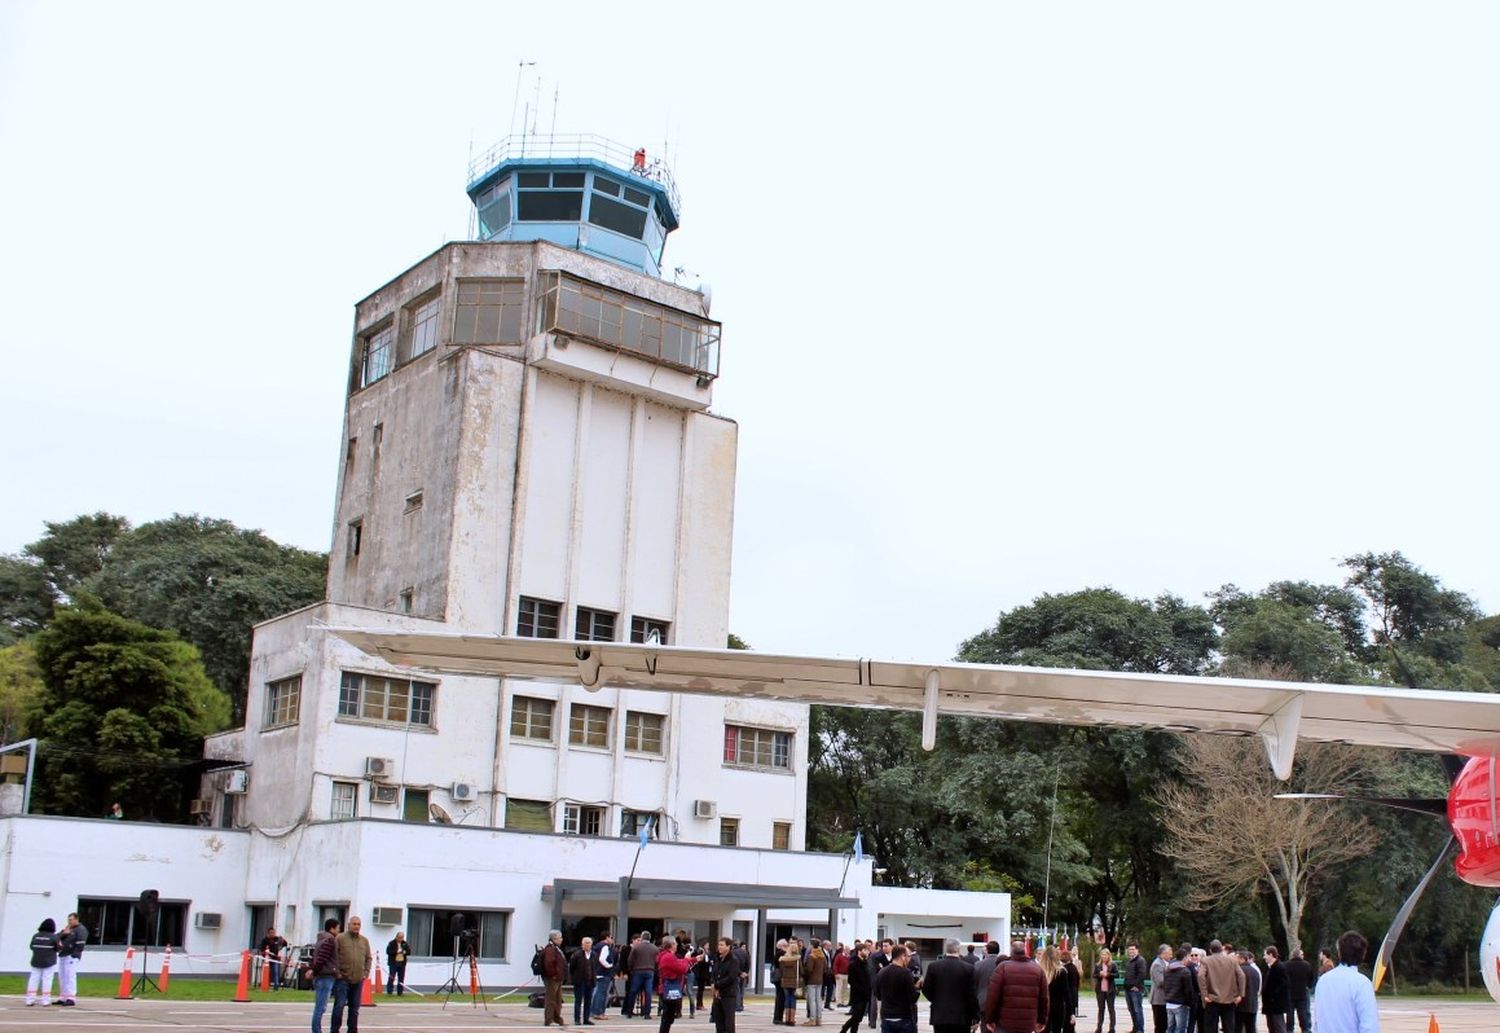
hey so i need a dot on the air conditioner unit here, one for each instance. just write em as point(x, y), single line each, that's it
point(462, 791)
point(384, 793)
point(208, 920)
point(705, 809)
point(238, 781)
point(385, 916)
point(379, 767)
point(201, 806)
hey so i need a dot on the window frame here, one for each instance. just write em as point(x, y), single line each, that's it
point(641, 628)
point(729, 831)
point(532, 618)
point(335, 811)
point(278, 712)
point(101, 915)
point(584, 726)
point(778, 742)
point(591, 624)
point(781, 830)
point(420, 700)
point(423, 317)
point(583, 819)
point(526, 735)
point(536, 808)
point(630, 822)
point(377, 353)
point(635, 733)
point(480, 301)
point(431, 922)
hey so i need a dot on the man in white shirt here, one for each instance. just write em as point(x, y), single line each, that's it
point(1345, 1002)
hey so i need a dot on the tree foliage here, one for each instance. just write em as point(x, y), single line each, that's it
point(122, 710)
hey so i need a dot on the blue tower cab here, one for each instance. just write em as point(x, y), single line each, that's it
point(581, 192)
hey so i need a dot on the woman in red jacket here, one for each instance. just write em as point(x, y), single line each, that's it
point(671, 980)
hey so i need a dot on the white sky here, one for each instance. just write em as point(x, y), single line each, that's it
point(1017, 299)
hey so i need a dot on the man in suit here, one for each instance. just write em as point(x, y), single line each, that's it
point(1299, 982)
point(1244, 1012)
point(726, 987)
point(948, 984)
point(1275, 999)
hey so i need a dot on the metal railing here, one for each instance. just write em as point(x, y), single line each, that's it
point(635, 161)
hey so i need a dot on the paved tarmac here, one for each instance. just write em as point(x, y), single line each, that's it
point(100, 1015)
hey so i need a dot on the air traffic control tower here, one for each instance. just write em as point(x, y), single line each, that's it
point(527, 450)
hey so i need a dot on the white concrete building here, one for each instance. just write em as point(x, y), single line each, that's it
point(527, 450)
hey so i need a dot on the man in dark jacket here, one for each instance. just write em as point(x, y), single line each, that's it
point(1299, 983)
point(583, 970)
point(1244, 1012)
point(1135, 987)
point(325, 969)
point(726, 987)
point(896, 989)
point(984, 969)
point(554, 969)
point(859, 986)
point(949, 984)
point(1275, 999)
point(1016, 1001)
point(641, 966)
point(880, 957)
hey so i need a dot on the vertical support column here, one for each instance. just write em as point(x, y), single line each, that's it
point(558, 889)
point(833, 925)
point(756, 948)
point(622, 916)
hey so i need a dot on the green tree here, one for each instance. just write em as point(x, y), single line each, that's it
point(75, 550)
point(209, 582)
point(25, 598)
point(122, 711)
point(1421, 629)
point(1305, 631)
point(20, 687)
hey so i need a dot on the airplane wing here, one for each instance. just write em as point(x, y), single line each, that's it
point(1279, 712)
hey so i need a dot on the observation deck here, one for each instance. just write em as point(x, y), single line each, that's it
point(583, 191)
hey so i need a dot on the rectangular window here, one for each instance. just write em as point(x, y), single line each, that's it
point(528, 815)
point(579, 820)
point(356, 537)
point(531, 718)
point(429, 930)
point(643, 731)
point(757, 748)
point(414, 805)
point(413, 502)
point(537, 618)
point(631, 823)
point(283, 701)
point(115, 922)
point(729, 832)
point(345, 800)
point(781, 835)
point(612, 319)
point(407, 594)
point(594, 625)
point(424, 326)
point(395, 700)
point(489, 311)
point(588, 726)
point(375, 355)
point(642, 628)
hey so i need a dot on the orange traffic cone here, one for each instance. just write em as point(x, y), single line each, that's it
point(379, 978)
point(166, 968)
point(265, 972)
point(124, 994)
point(242, 989)
point(367, 995)
point(473, 977)
point(1432, 1026)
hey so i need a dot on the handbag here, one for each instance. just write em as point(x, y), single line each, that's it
point(671, 989)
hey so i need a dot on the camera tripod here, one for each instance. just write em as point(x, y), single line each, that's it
point(470, 953)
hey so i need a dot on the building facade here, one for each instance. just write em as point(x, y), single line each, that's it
point(527, 449)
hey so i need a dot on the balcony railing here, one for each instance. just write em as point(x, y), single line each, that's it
point(613, 319)
point(636, 161)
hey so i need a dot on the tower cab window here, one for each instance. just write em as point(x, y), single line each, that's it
point(549, 196)
point(624, 210)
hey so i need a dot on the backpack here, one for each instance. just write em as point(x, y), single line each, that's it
point(537, 968)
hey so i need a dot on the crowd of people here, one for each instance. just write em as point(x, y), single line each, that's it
point(1217, 989)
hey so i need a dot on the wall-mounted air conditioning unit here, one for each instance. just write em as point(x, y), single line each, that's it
point(238, 781)
point(379, 767)
point(384, 793)
point(385, 916)
point(201, 806)
point(208, 920)
point(705, 809)
point(462, 792)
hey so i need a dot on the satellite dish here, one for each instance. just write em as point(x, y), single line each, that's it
point(439, 815)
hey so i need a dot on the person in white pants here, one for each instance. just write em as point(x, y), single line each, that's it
point(43, 963)
point(69, 950)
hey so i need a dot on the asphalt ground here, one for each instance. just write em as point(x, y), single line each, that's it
point(95, 1015)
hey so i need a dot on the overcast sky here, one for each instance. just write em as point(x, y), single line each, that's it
point(1016, 298)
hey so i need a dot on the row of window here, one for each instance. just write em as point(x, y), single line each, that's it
point(532, 718)
point(580, 819)
point(492, 312)
point(366, 697)
point(542, 618)
point(559, 197)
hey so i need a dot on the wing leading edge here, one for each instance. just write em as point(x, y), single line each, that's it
point(1281, 713)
